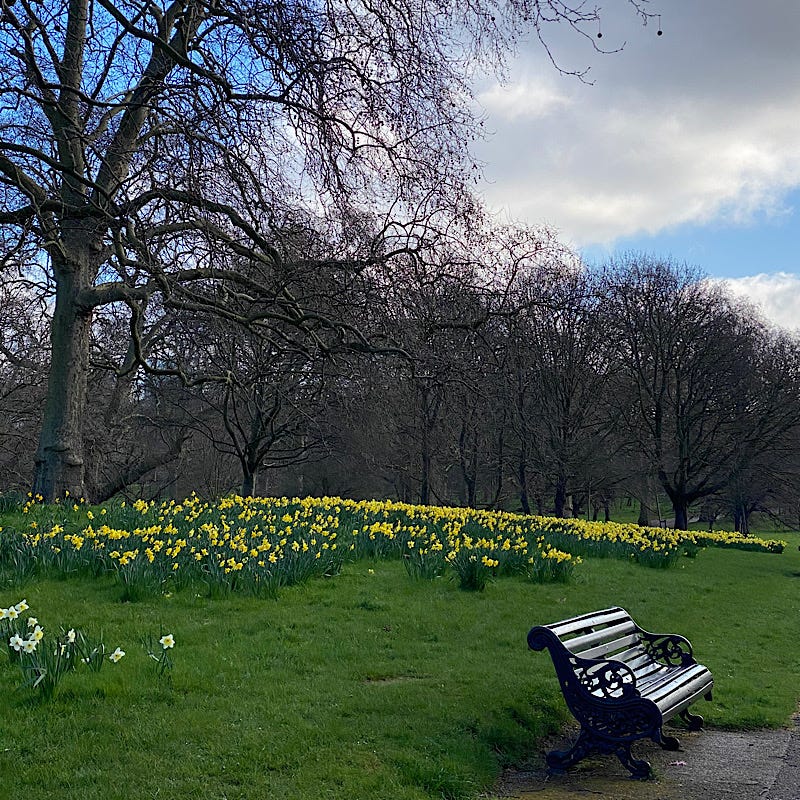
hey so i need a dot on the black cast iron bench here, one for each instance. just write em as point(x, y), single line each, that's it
point(621, 683)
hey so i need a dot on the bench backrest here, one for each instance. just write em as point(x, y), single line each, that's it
point(610, 633)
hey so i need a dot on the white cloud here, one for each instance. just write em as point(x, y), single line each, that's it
point(527, 98)
point(698, 126)
point(624, 171)
point(777, 294)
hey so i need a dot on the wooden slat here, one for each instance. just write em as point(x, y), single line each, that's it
point(673, 683)
point(607, 649)
point(679, 690)
point(605, 617)
point(647, 673)
point(670, 706)
point(605, 636)
point(632, 655)
point(650, 685)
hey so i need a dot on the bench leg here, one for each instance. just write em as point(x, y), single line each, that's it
point(666, 742)
point(639, 768)
point(693, 721)
point(586, 744)
point(560, 760)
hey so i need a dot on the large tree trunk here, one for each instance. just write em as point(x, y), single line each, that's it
point(741, 519)
point(59, 459)
point(249, 478)
point(560, 498)
point(681, 508)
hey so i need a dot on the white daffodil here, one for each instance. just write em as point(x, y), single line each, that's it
point(37, 634)
point(29, 645)
point(3, 613)
point(71, 635)
point(32, 622)
point(117, 655)
point(22, 606)
point(13, 613)
point(167, 641)
point(16, 642)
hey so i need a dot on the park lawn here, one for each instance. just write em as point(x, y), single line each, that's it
point(369, 684)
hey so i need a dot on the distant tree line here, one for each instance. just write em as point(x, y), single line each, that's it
point(522, 380)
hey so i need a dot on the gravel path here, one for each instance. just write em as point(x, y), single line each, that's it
point(711, 765)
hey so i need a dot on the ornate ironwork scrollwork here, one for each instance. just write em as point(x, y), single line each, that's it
point(603, 678)
point(669, 649)
point(626, 720)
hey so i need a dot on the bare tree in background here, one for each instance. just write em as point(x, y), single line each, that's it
point(766, 448)
point(146, 148)
point(265, 414)
point(704, 403)
point(23, 377)
point(570, 368)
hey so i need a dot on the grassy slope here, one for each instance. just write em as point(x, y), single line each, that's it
point(369, 685)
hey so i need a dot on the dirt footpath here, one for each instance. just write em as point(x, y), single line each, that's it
point(711, 765)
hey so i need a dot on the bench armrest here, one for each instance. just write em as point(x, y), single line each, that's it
point(598, 677)
point(669, 649)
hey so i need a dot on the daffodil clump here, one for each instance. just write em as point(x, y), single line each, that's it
point(259, 544)
point(657, 547)
point(475, 545)
point(46, 658)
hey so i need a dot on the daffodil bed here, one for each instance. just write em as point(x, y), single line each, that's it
point(258, 545)
point(364, 685)
point(367, 685)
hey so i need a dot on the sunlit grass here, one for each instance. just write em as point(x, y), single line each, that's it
point(369, 684)
point(374, 676)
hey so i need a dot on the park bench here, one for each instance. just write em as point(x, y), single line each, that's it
point(621, 683)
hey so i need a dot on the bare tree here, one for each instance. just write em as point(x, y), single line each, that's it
point(766, 448)
point(571, 369)
point(264, 415)
point(146, 148)
point(23, 375)
point(700, 404)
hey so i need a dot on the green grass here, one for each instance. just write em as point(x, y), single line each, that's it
point(369, 684)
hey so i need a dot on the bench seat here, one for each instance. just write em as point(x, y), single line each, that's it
point(621, 683)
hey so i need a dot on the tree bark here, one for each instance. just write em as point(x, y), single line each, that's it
point(681, 509)
point(248, 483)
point(741, 519)
point(59, 464)
point(560, 499)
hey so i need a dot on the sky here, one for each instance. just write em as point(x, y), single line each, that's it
point(684, 145)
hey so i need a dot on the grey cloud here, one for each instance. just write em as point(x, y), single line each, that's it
point(697, 125)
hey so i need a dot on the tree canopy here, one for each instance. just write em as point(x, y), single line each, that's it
point(191, 158)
